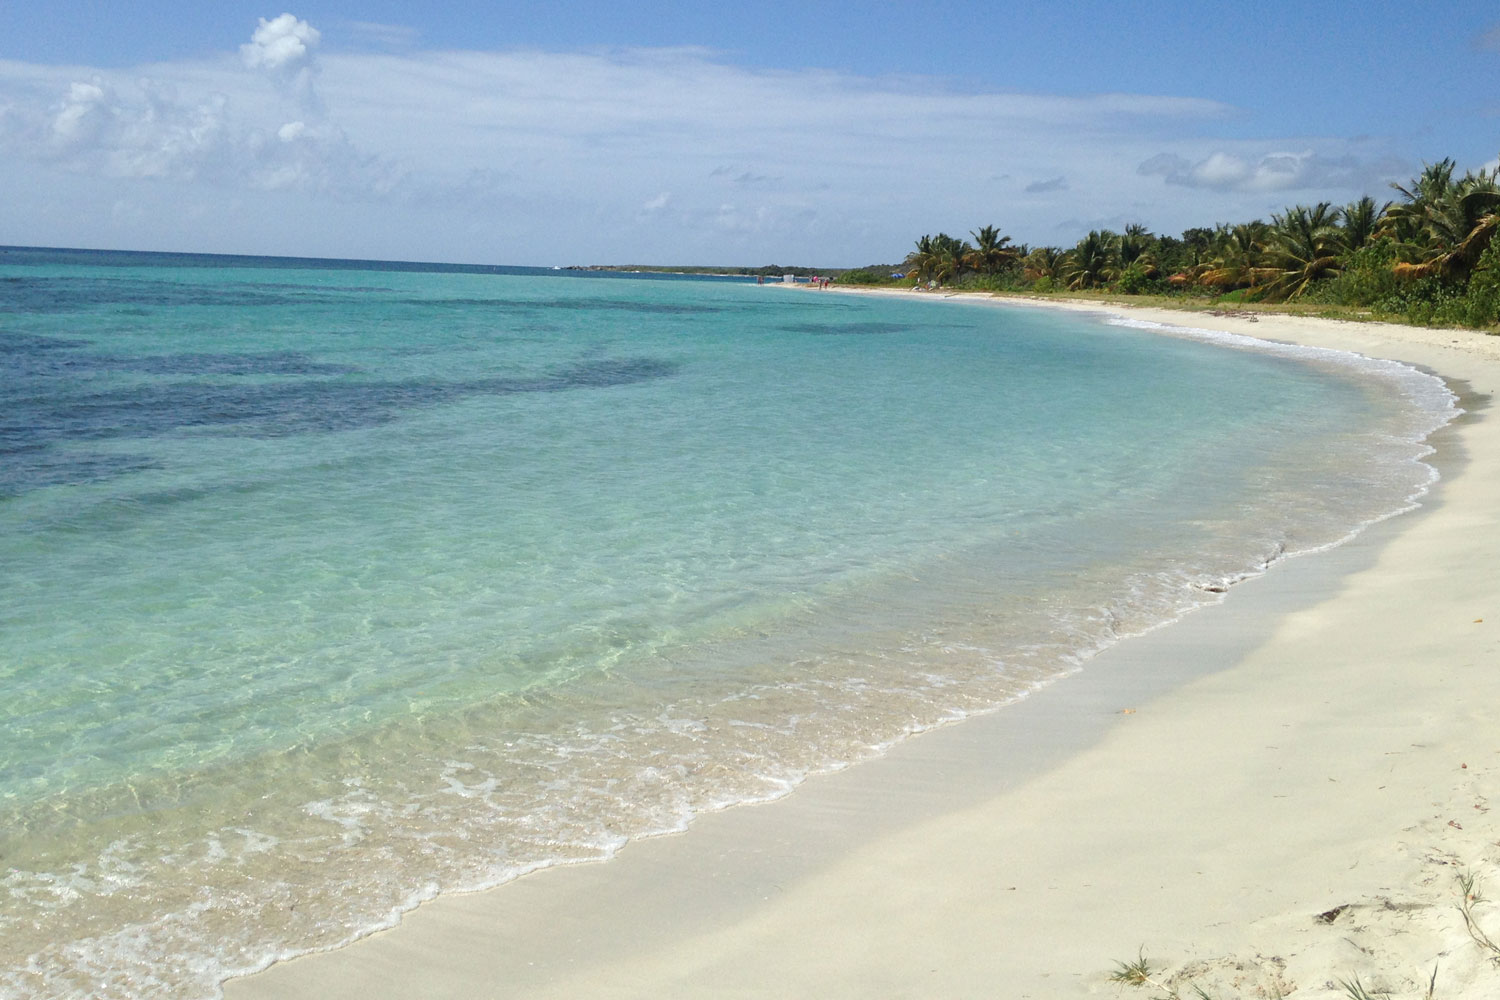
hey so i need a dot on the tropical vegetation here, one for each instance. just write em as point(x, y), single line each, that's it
point(1429, 255)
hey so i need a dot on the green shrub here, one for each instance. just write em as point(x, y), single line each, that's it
point(1135, 281)
point(862, 277)
point(1009, 280)
point(1366, 279)
point(1482, 298)
point(1422, 302)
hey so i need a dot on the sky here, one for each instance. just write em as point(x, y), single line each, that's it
point(693, 133)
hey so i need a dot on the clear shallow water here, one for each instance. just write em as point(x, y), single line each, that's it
point(325, 590)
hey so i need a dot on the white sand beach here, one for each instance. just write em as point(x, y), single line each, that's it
point(1275, 794)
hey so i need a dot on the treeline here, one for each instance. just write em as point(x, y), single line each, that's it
point(1428, 257)
point(767, 271)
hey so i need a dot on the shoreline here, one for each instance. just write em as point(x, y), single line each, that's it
point(1202, 792)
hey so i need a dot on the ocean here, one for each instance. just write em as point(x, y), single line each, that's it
point(330, 586)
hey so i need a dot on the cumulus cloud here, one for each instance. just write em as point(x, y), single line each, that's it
point(282, 48)
point(282, 45)
point(1277, 171)
point(83, 115)
point(658, 203)
point(195, 124)
point(318, 158)
point(138, 130)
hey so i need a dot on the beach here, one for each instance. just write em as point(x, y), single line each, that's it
point(1270, 796)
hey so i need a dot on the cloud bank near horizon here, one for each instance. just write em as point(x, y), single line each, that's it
point(642, 155)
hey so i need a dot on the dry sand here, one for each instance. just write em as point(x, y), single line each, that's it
point(1322, 743)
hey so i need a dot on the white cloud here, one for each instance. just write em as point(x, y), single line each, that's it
point(283, 45)
point(83, 114)
point(140, 130)
point(1224, 171)
point(643, 154)
point(1267, 172)
point(282, 49)
point(317, 158)
point(191, 123)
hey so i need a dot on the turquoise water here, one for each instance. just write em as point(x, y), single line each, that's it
point(327, 589)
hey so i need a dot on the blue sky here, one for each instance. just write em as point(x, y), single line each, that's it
point(697, 133)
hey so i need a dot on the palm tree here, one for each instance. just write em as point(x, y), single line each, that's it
point(1137, 247)
point(1433, 184)
point(1406, 222)
point(991, 252)
point(1361, 220)
point(938, 258)
point(923, 260)
point(1191, 256)
point(1445, 224)
point(1043, 262)
point(951, 252)
point(1305, 244)
point(1093, 262)
point(1236, 257)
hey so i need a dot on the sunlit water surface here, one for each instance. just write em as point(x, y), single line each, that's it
point(326, 590)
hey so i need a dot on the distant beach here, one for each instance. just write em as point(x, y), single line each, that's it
point(1273, 796)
